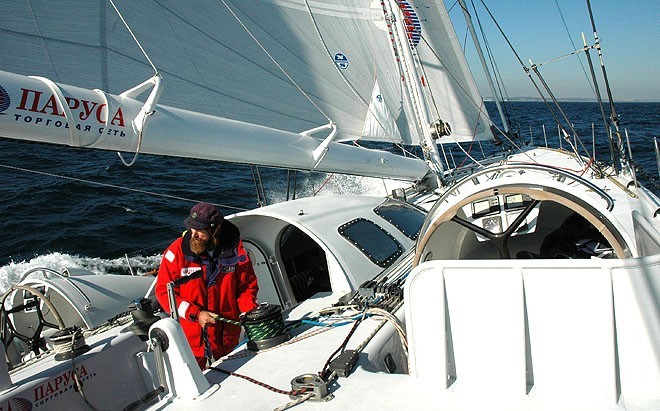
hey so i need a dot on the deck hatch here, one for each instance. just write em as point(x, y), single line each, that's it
point(376, 243)
point(404, 217)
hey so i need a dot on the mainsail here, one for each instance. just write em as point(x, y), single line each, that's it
point(290, 65)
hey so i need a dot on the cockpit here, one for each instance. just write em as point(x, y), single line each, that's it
point(521, 218)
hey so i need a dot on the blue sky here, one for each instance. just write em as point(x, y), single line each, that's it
point(629, 32)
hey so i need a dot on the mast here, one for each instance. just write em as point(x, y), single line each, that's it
point(477, 45)
point(414, 88)
point(619, 153)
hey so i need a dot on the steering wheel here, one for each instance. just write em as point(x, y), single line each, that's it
point(448, 208)
point(501, 240)
point(34, 341)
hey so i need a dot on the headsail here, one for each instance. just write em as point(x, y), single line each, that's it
point(455, 94)
point(379, 123)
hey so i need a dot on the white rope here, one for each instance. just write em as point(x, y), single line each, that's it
point(139, 144)
point(69, 345)
point(294, 402)
point(79, 383)
point(392, 320)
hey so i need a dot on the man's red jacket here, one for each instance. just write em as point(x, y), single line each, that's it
point(226, 286)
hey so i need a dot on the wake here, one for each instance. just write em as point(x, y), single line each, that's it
point(13, 272)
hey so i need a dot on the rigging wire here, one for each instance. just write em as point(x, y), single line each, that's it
point(568, 34)
point(618, 152)
point(259, 186)
point(564, 116)
point(133, 35)
point(43, 40)
point(247, 30)
point(534, 68)
point(501, 88)
point(527, 72)
point(81, 180)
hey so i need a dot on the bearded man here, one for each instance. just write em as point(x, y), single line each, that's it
point(213, 280)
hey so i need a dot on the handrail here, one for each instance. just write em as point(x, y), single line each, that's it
point(46, 271)
point(535, 167)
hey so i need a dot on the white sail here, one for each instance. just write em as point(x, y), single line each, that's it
point(448, 75)
point(290, 65)
point(379, 123)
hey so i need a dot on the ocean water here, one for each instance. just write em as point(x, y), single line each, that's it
point(62, 206)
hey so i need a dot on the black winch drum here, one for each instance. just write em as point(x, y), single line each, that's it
point(264, 327)
point(68, 343)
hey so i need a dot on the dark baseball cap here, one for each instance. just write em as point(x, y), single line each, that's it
point(203, 216)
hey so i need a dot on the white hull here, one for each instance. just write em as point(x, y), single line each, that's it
point(507, 334)
point(531, 284)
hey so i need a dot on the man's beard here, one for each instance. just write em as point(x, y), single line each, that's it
point(198, 246)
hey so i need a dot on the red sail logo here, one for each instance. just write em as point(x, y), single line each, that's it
point(36, 101)
point(4, 100)
point(411, 21)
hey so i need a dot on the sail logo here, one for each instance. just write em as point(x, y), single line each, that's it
point(5, 101)
point(36, 101)
point(61, 384)
point(341, 61)
point(411, 21)
point(44, 109)
point(17, 404)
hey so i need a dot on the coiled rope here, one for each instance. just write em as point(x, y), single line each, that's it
point(68, 343)
point(266, 329)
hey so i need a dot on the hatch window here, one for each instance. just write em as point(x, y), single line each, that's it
point(305, 264)
point(404, 217)
point(372, 240)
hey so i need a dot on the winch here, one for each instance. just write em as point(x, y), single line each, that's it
point(68, 343)
point(264, 327)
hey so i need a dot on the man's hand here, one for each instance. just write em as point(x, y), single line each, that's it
point(205, 318)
